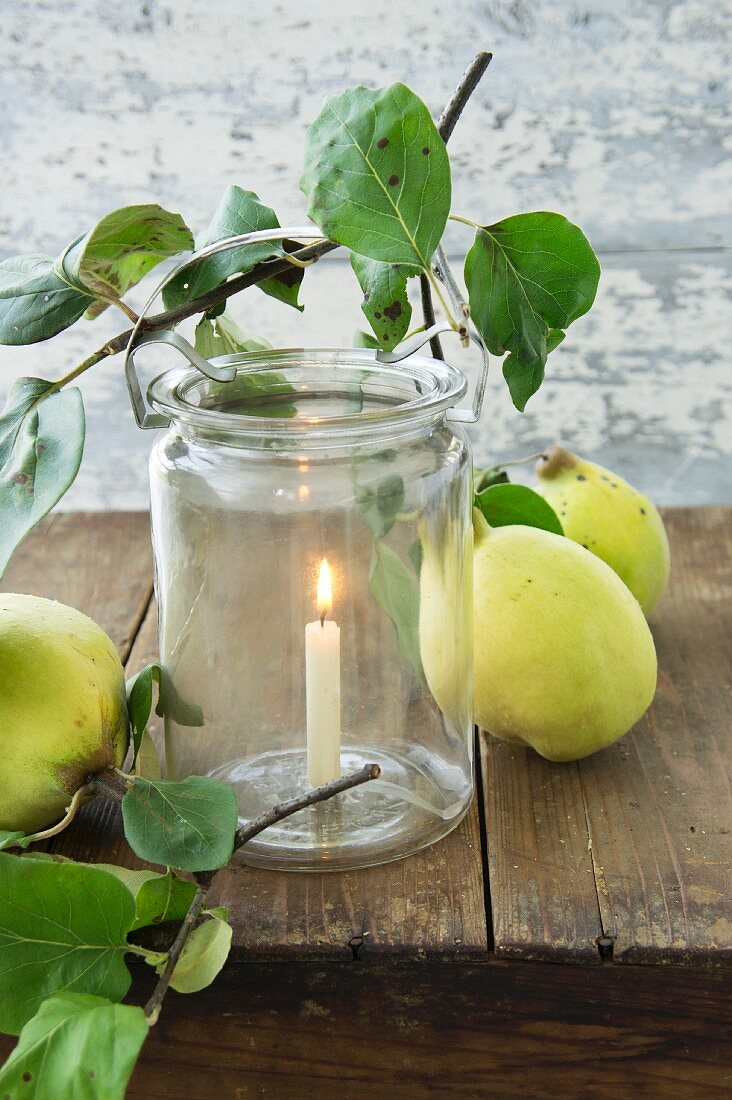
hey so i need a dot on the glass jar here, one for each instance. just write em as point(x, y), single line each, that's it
point(301, 669)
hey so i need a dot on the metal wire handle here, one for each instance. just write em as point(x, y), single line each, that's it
point(138, 339)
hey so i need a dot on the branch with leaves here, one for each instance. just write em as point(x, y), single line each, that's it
point(378, 182)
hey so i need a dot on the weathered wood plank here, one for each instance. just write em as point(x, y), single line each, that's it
point(659, 804)
point(542, 887)
point(350, 1032)
point(430, 904)
point(99, 562)
point(629, 849)
point(655, 807)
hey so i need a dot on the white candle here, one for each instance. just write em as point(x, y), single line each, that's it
point(323, 687)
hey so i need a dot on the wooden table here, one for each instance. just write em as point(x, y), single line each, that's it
point(568, 939)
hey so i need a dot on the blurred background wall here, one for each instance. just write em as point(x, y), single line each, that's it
point(609, 111)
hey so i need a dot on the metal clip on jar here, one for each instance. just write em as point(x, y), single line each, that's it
point(272, 463)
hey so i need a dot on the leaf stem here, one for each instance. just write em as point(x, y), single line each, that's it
point(71, 809)
point(128, 312)
point(522, 461)
point(302, 264)
point(465, 221)
point(445, 307)
point(461, 307)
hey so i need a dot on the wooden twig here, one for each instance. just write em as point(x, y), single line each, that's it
point(469, 81)
point(171, 317)
point(317, 794)
point(445, 125)
point(71, 809)
point(428, 312)
point(153, 1006)
point(109, 785)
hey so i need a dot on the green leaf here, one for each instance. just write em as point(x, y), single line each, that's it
point(377, 175)
point(203, 956)
point(147, 761)
point(526, 275)
point(238, 212)
point(139, 704)
point(10, 838)
point(286, 286)
point(170, 704)
point(396, 591)
point(416, 555)
point(162, 898)
point(381, 505)
point(62, 926)
point(34, 303)
point(158, 897)
point(188, 824)
point(492, 475)
point(505, 505)
point(252, 393)
point(385, 304)
point(224, 337)
point(123, 247)
point(363, 339)
point(523, 382)
point(41, 444)
point(219, 911)
point(76, 1047)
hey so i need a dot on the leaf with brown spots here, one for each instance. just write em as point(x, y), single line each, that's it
point(122, 248)
point(76, 1045)
point(385, 303)
point(369, 185)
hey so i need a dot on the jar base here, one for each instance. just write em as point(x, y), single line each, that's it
point(417, 800)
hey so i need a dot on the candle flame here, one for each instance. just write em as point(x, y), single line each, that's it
point(325, 590)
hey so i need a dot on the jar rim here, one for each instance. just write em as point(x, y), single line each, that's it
point(438, 386)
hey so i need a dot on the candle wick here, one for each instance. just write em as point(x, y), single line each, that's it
point(322, 620)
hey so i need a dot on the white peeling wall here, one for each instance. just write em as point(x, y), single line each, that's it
point(610, 111)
